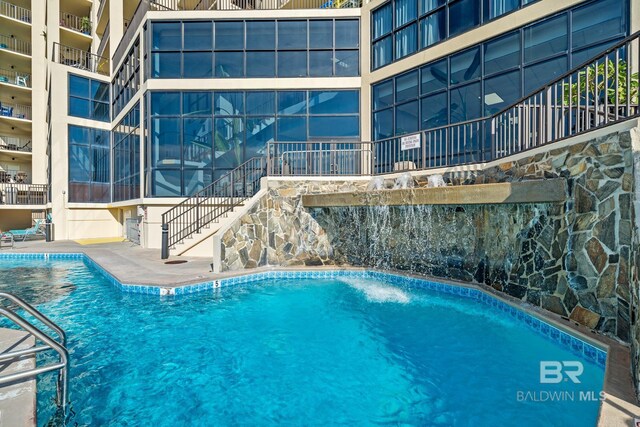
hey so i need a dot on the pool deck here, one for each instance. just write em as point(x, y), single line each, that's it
point(134, 265)
point(18, 399)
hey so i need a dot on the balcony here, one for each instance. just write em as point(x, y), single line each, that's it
point(15, 44)
point(80, 59)
point(15, 111)
point(15, 144)
point(15, 78)
point(76, 23)
point(16, 12)
point(14, 193)
point(104, 41)
point(251, 4)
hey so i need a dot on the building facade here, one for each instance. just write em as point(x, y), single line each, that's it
point(114, 111)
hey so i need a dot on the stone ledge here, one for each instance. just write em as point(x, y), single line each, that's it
point(534, 191)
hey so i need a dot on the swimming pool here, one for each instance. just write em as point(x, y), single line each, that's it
point(348, 349)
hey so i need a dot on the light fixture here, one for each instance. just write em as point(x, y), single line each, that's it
point(492, 99)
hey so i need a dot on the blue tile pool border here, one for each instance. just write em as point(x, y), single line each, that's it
point(576, 345)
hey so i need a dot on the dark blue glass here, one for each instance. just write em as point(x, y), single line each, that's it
point(347, 63)
point(229, 64)
point(407, 118)
point(292, 129)
point(198, 35)
point(229, 35)
point(228, 142)
point(166, 36)
point(198, 64)
point(79, 86)
point(495, 8)
point(260, 131)
point(334, 126)
point(261, 64)
point(80, 107)
point(347, 34)
point(79, 163)
point(501, 91)
point(502, 54)
point(321, 34)
point(197, 142)
point(261, 103)
point(292, 63)
point(465, 103)
point(197, 103)
point(165, 65)
point(229, 103)
point(261, 35)
point(79, 135)
point(383, 124)
point(195, 180)
point(429, 5)
point(536, 76)
point(382, 21)
point(334, 102)
point(598, 21)
point(292, 34)
point(434, 77)
point(465, 66)
point(406, 41)
point(320, 63)
point(383, 52)
point(165, 103)
point(383, 95)
point(433, 28)
point(166, 183)
point(405, 11)
point(290, 102)
point(407, 86)
point(100, 111)
point(99, 91)
point(165, 142)
point(434, 111)
point(546, 39)
point(463, 15)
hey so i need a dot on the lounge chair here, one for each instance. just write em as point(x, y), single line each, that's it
point(6, 239)
point(33, 231)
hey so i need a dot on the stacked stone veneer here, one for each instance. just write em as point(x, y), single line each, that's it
point(571, 258)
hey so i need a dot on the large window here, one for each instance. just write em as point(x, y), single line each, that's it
point(195, 137)
point(126, 156)
point(89, 162)
point(282, 48)
point(402, 27)
point(127, 80)
point(483, 80)
point(88, 98)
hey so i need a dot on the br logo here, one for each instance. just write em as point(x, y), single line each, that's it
point(554, 372)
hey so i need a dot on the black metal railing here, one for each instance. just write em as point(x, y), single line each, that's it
point(252, 4)
point(600, 92)
point(23, 194)
point(211, 203)
point(81, 59)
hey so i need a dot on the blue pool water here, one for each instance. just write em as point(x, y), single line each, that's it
point(295, 352)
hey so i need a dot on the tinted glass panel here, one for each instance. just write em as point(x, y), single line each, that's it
point(292, 63)
point(383, 95)
point(465, 66)
point(165, 64)
point(229, 103)
point(261, 103)
point(545, 39)
point(429, 5)
point(407, 86)
point(321, 34)
point(198, 64)
point(501, 91)
point(406, 41)
point(197, 142)
point(383, 52)
point(198, 35)
point(407, 118)
point(433, 28)
point(334, 102)
point(495, 8)
point(434, 77)
point(405, 11)
point(229, 136)
point(434, 111)
point(165, 103)
point(382, 21)
point(333, 126)
point(260, 130)
point(261, 64)
point(167, 35)
point(347, 63)
point(78, 86)
point(99, 91)
point(502, 54)
point(292, 129)
point(463, 15)
point(465, 103)
point(165, 142)
point(598, 21)
point(292, 103)
point(538, 75)
point(347, 34)
point(383, 124)
point(197, 103)
point(229, 64)
point(167, 183)
point(261, 35)
point(229, 35)
point(292, 34)
point(80, 107)
point(320, 63)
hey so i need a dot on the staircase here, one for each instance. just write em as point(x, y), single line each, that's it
point(193, 221)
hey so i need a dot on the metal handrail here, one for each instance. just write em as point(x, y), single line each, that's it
point(51, 344)
point(37, 314)
point(212, 202)
point(81, 59)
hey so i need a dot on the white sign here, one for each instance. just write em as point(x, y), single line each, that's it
point(410, 142)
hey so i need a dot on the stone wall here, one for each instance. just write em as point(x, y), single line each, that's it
point(571, 258)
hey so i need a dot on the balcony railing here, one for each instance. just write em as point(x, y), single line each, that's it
point(15, 44)
point(14, 143)
point(76, 23)
point(252, 4)
point(15, 78)
point(78, 58)
point(599, 93)
point(14, 11)
point(15, 111)
point(104, 40)
point(22, 194)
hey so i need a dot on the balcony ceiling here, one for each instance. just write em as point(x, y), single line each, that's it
point(20, 127)
point(20, 62)
point(76, 7)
